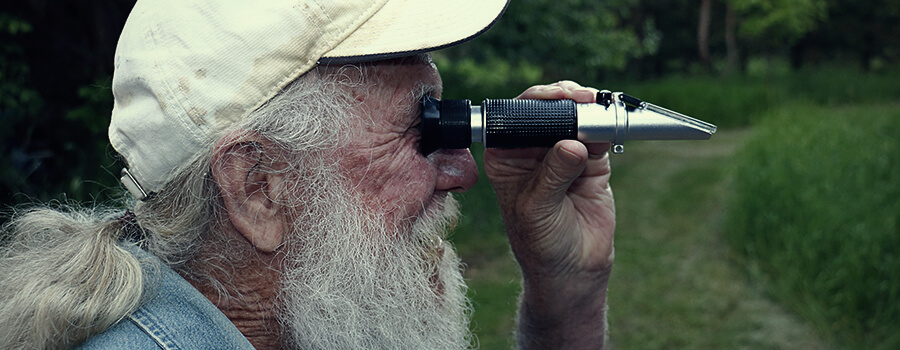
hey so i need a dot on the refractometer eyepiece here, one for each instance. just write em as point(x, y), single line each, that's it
point(445, 124)
point(511, 123)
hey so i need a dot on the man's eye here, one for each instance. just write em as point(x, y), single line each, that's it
point(425, 141)
point(425, 147)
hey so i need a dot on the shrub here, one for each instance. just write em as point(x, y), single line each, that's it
point(815, 214)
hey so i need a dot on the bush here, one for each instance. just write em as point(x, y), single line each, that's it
point(815, 214)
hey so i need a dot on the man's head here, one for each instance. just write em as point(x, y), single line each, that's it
point(276, 154)
point(355, 223)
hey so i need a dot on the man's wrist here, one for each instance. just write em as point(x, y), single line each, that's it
point(563, 313)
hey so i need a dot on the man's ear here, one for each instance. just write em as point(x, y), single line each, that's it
point(250, 181)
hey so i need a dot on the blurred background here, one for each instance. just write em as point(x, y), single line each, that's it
point(779, 232)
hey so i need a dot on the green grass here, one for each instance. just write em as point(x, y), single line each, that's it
point(673, 286)
point(816, 214)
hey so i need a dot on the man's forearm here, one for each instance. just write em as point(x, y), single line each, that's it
point(564, 317)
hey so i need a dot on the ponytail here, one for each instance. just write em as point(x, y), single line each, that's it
point(65, 276)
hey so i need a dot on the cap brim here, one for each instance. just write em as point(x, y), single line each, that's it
point(407, 27)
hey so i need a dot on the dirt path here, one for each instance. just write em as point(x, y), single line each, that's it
point(674, 284)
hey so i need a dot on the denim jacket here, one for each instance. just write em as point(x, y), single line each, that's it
point(173, 315)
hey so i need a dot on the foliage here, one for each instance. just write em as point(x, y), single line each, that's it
point(17, 101)
point(815, 214)
point(778, 21)
point(55, 101)
point(466, 78)
point(865, 29)
point(675, 23)
point(563, 37)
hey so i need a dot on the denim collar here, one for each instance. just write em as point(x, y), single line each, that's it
point(173, 315)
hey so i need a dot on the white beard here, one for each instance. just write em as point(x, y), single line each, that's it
point(350, 282)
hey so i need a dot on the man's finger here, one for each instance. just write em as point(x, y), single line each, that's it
point(562, 165)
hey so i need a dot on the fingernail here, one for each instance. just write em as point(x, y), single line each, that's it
point(569, 158)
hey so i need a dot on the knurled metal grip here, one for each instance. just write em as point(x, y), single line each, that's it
point(528, 123)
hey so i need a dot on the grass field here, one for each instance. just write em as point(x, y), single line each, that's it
point(674, 285)
point(816, 215)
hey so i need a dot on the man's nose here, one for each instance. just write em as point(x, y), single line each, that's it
point(456, 169)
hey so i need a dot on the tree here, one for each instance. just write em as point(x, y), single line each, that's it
point(674, 24)
point(732, 56)
point(703, 32)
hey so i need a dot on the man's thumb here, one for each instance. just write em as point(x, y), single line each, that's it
point(562, 165)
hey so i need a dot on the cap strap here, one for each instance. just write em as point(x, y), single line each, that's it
point(132, 185)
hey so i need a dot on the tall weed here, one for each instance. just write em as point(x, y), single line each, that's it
point(815, 213)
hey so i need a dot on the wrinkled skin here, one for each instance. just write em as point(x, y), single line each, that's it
point(383, 161)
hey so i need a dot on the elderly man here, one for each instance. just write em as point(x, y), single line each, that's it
point(283, 200)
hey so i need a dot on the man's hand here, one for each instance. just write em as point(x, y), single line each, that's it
point(559, 215)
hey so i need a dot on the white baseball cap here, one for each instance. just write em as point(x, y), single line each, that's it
point(185, 69)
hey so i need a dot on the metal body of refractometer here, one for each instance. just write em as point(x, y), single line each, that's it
point(511, 123)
